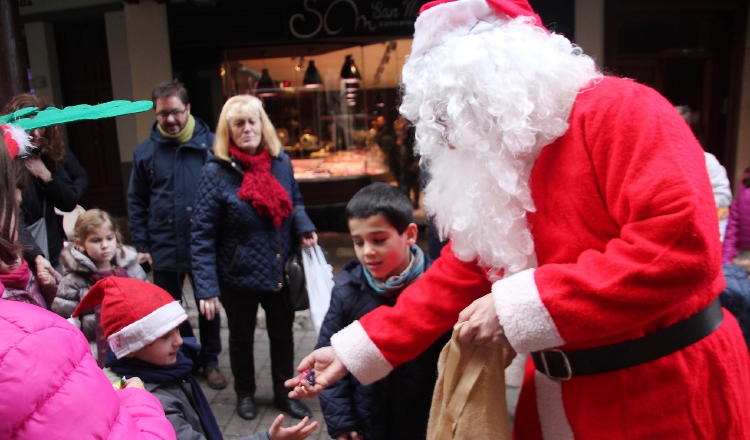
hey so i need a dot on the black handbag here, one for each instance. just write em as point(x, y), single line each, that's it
point(295, 295)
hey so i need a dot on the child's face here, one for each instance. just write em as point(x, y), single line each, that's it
point(379, 247)
point(162, 351)
point(10, 268)
point(100, 244)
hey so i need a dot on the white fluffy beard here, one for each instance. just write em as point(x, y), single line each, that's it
point(484, 105)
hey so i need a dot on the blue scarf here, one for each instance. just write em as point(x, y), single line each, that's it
point(394, 285)
point(180, 370)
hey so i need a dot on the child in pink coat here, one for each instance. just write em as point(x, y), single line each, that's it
point(53, 389)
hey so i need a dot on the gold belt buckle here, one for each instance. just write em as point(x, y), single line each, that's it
point(569, 372)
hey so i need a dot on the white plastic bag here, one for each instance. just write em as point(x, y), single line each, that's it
point(319, 280)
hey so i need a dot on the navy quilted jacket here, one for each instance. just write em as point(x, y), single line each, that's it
point(395, 407)
point(233, 248)
point(162, 192)
point(736, 297)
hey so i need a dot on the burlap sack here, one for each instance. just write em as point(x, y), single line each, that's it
point(469, 399)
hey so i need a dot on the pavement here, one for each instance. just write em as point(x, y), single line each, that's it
point(338, 247)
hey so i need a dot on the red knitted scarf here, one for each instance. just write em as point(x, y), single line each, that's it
point(260, 187)
point(18, 279)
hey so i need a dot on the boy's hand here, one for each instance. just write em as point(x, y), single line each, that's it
point(349, 436)
point(327, 367)
point(296, 432)
point(134, 382)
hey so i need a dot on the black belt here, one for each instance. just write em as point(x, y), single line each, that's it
point(562, 365)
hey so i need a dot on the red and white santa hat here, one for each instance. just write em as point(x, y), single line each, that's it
point(441, 20)
point(16, 140)
point(134, 313)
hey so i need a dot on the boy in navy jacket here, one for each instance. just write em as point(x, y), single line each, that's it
point(397, 407)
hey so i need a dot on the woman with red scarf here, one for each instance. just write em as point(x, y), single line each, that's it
point(248, 217)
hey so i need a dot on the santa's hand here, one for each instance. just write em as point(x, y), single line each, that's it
point(326, 369)
point(482, 326)
point(209, 307)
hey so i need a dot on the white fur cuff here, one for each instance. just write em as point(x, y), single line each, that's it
point(526, 321)
point(442, 22)
point(147, 329)
point(359, 354)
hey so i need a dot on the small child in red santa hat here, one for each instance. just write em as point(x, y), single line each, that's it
point(141, 323)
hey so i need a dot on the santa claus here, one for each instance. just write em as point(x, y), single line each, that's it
point(583, 231)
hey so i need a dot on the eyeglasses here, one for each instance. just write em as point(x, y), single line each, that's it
point(165, 114)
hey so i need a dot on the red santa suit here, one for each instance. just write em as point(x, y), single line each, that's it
point(626, 240)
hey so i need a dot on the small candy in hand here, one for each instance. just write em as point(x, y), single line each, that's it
point(120, 384)
point(310, 376)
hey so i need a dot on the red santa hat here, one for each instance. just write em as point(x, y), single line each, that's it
point(134, 313)
point(17, 141)
point(442, 20)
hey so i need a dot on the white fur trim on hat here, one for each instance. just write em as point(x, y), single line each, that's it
point(359, 354)
point(449, 20)
point(146, 330)
point(75, 321)
point(21, 139)
point(526, 321)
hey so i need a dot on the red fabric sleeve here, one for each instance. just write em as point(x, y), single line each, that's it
point(426, 309)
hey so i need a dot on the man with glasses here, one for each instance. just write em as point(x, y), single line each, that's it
point(166, 169)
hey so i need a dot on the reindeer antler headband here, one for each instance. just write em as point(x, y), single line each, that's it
point(14, 126)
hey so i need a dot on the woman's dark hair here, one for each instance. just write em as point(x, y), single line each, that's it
point(385, 199)
point(9, 247)
point(51, 145)
point(22, 174)
point(167, 89)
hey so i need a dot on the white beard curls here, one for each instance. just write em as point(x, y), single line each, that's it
point(484, 105)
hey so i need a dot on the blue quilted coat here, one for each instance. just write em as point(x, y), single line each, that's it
point(736, 297)
point(395, 407)
point(233, 248)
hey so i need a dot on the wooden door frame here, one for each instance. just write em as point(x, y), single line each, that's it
point(617, 11)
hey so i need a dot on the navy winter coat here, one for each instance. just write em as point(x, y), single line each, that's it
point(233, 247)
point(161, 195)
point(395, 407)
point(736, 297)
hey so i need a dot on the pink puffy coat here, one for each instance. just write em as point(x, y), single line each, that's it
point(737, 236)
point(52, 388)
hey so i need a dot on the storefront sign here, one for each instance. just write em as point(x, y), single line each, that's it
point(346, 18)
point(27, 7)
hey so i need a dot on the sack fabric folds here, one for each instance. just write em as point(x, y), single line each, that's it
point(469, 398)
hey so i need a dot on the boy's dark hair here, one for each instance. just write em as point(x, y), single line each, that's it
point(385, 199)
point(166, 89)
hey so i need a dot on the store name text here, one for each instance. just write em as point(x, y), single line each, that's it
point(382, 16)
